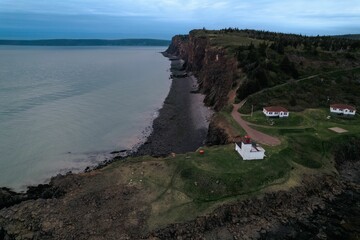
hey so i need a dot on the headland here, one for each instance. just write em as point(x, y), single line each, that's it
point(307, 187)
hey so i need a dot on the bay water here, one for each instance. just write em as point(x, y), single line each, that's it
point(65, 108)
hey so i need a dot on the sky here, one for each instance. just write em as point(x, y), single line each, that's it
point(162, 19)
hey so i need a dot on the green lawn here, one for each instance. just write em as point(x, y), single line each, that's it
point(311, 145)
point(182, 187)
point(193, 184)
point(259, 118)
point(221, 173)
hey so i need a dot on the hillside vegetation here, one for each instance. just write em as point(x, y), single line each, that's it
point(270, 59)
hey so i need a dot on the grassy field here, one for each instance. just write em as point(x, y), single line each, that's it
point(258, 117)
point(180, 187)
point(310, 144)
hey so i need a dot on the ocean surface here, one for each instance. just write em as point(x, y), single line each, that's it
point(65, 108)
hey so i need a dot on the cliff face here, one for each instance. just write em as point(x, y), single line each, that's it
point(215, 71)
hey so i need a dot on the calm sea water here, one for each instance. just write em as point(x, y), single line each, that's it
point(65, 108)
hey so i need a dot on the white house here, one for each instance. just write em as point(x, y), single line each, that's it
point(249, 150)
point(342, 109)
point(275, 111)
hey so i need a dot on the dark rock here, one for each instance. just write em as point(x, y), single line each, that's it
point(9, 197)
point(44, 191)
point(216, 135)
point(4, 235)
point(116, 152)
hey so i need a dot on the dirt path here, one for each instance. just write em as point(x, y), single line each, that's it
point(254, 134)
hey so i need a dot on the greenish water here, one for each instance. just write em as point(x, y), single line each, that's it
point(65, 108)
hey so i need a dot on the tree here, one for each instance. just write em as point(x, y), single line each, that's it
point(292, 101)
point(289, 67)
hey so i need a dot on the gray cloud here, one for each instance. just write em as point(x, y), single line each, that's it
point(161, 16)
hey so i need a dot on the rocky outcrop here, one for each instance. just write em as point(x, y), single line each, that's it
point(45, 191)
point(4, 235)
point(215, 69)
point(9, 197)
point(216, 135)
point(321, 208)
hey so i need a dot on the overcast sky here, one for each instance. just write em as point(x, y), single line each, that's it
point(32, 19)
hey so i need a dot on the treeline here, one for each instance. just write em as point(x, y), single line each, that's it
point(269, 59)
point(87, 42)
point(264, 66)
point(326, 43)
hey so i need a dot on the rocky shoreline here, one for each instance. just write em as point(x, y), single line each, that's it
point(182, 124)
point(170, 133)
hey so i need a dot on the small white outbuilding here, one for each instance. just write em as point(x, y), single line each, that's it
point(276, 111)
point(342, 109)
point(249, 150)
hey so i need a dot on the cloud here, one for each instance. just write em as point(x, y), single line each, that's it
point(111, 7)
point(298, 16)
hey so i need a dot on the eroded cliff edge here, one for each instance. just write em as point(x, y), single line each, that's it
point(217, 73)
point(215, 70)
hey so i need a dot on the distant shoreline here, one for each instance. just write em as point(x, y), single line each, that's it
point(86, 42)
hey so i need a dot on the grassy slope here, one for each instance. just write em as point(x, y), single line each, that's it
point(181, 187)
point(336, 87)
point(264, 69)
point(187, 185)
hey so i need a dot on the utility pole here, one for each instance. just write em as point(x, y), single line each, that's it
point(252, 110)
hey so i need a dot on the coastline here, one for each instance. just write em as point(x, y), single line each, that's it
point(62, 208)
point(183, 120)
point(76, 123)
point(170, 132)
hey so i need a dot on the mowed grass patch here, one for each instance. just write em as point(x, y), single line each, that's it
point(259, 118)
point(322, 120)
point(221, 173)
point(193, 184)
point(305, 150)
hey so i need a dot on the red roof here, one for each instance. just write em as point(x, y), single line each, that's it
point(276, 109)
point(343, 106)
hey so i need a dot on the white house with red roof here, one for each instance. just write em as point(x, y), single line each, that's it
point(276, 111)
point(249, 150)
point(342, 109)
